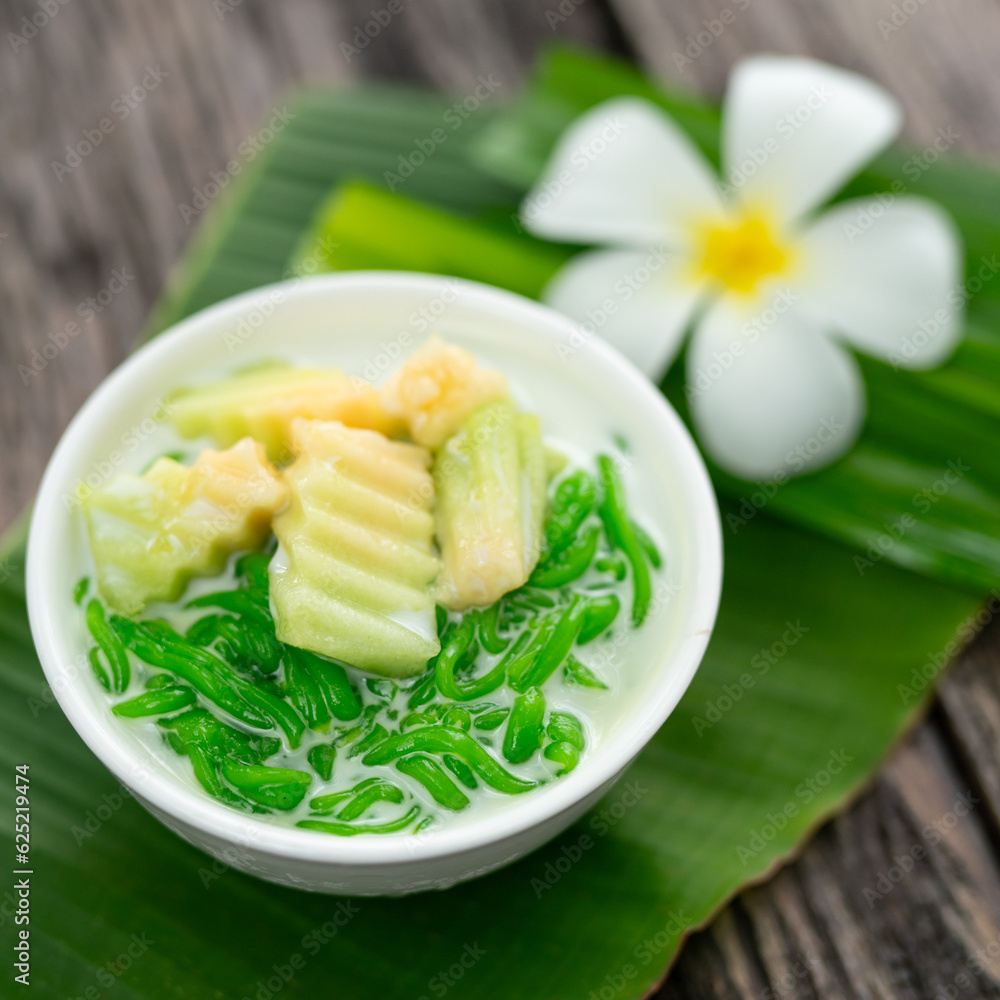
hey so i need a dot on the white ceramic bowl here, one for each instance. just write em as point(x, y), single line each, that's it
point(363, 323)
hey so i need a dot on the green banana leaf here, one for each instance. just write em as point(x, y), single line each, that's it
point(786, 719)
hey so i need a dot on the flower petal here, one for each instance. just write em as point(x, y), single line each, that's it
point(887, 275)
point(625, 174)
point(634, 299)
point(771, 399)
point(795, 130)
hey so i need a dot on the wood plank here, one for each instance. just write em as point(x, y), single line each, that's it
point(225, 66)
point(894, 899)
point(970, 697)
point(451, 43)
point(940, 60)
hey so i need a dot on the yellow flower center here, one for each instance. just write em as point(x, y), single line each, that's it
point(739, 254)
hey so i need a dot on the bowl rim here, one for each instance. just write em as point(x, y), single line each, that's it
point(167, 795)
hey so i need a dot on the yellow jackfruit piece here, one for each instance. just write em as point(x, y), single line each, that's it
point(150, 534)
point(437, 387)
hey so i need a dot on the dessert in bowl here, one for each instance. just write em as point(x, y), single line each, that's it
point(372, 582)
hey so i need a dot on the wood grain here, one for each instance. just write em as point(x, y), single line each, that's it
point(939, 60)
point(225, 65)
point(893, 899)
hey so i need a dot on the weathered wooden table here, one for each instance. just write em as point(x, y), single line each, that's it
point(92, 242)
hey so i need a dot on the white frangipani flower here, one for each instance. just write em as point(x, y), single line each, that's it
point(777, 292)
